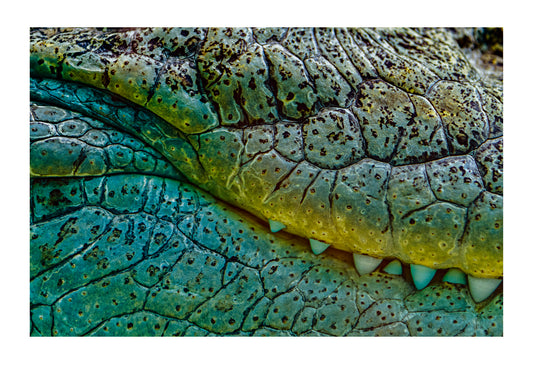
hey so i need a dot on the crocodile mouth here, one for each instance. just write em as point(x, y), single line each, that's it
point(311, 171)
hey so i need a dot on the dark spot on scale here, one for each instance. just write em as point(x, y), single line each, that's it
point(462, 139)
point(302, 107)
point(105, 78)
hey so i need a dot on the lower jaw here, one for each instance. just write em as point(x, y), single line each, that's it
point(208, 269)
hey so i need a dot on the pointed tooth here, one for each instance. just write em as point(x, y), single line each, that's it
point(275, 226)
point(455, 276)
point(318, 247)
point(394, 268)
point(365, 264)
point(422, 275)
point(481, 288)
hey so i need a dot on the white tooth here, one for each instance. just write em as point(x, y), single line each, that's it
point(318, 247)
point(421, 275)
point(455, 276)
point(394, 268)
point(481, 288)
point(365, 264)
point(275, 226)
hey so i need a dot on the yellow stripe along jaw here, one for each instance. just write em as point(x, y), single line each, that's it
point(480, 288)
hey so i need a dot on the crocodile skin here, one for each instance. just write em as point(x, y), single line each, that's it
point(150, 192)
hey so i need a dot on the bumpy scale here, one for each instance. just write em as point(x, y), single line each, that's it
point(349, 138)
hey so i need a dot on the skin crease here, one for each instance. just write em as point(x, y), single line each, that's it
point(129, 235)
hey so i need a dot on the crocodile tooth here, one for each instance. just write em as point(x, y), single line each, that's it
point(318, 247)
point(481, 288)
point(394, 268)
point(422, 275)
point(275, 226)
point(455, 276)
point(365, 264)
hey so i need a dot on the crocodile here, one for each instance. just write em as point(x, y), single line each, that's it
point(263, 181)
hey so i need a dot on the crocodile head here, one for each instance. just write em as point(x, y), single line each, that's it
point(263, 181)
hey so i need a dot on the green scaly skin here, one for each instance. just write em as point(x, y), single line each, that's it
point(158, 155)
